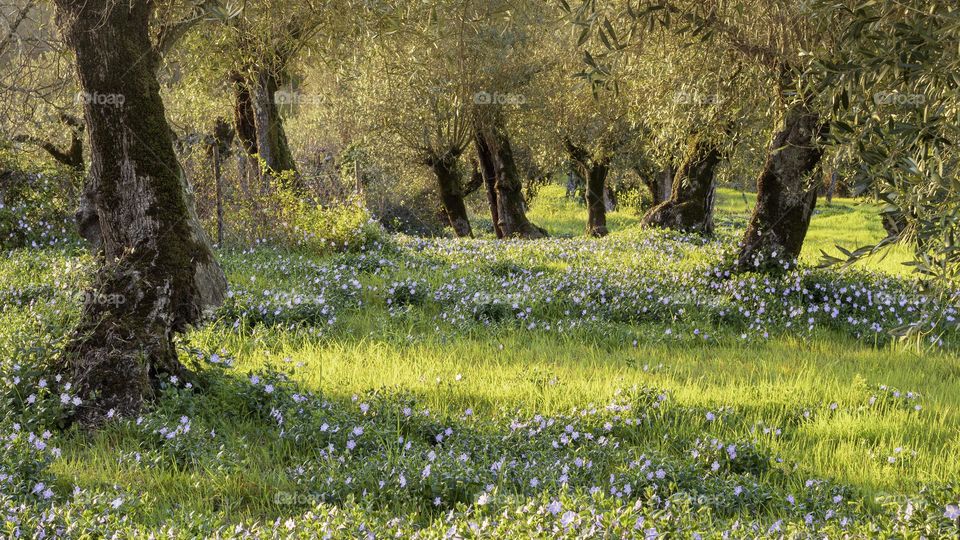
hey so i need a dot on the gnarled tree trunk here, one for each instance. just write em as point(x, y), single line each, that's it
point(786, 194)
point(260, 127)
point(690, 206)
point(511, 213)
point(272, 142)
point(489, 173)
point(660, 184)
point(595, 171)
point(159, 274)
point(451, 192)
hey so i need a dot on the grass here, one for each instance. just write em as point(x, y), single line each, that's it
point(849, 223)
point(401, 324)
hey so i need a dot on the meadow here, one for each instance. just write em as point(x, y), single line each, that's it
point(568, 387)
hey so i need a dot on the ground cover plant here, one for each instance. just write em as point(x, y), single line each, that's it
point(572, 387)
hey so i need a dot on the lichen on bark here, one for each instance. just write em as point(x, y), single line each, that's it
point(157, 262)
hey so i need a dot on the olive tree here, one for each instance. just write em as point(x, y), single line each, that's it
point(158, 269)
point(776, 39)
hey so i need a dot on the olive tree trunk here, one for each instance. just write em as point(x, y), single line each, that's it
point(488, 170)
point(511, 213)
point(596, 202)
point(660, 184)
point(451, 192)
point(690, 206)
point(244, 119)
point(272, 145)
point(158, 274)
point(786, 194)
point(260, 127)
point(595, 171)
point(220, 144)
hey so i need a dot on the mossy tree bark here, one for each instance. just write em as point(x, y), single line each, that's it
point(159, 274)
point(260, 127)
point(595, 171)
point(244, 119)
point(451, 191)
point(272, 142)
point(690, 206)
point(511, 213)
point(786, 194)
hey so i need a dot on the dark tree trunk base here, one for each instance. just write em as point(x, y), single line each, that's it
point(595, 172)
point(488, 170)
point(495, 149)
point(786, 195)
point(690, 206)
point(118, 354)
point(596, 204)
point(451, 193)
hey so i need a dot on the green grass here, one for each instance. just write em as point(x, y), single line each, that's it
point(814, 386)
point(848, 223)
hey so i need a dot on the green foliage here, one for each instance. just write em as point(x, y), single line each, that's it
point(282, 217)
point(36, 204)
point(895, 101)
